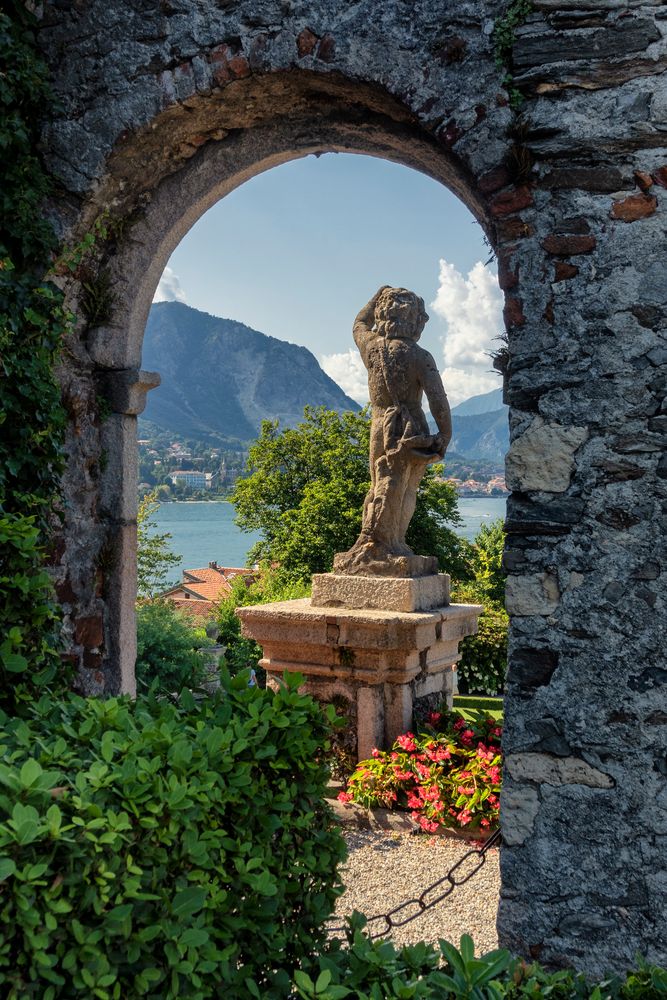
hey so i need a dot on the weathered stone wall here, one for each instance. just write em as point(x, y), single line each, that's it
point(167, 107)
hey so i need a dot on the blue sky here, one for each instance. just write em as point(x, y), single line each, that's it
point(295, 252)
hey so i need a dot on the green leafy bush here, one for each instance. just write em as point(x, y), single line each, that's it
point(156, 850)
point(360, 969)
point(167, 644)
point(449, 776)
point(483, 664)
point(487, 563)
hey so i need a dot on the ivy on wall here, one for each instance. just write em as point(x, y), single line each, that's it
point(33, 322)
point(516, 13)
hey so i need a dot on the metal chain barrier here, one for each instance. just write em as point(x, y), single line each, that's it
point(460, 873)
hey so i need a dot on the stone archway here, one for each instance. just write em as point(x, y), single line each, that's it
point(166, 109)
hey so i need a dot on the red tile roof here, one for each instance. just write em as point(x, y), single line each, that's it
point(194, 609)
point(206, 585)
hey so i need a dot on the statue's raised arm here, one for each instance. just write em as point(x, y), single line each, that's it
point(362, 330)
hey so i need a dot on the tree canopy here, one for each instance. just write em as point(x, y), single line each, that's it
point(155, 560)
point(305, 492)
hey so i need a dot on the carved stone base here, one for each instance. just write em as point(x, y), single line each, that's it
point(421, 593)
point(380, 662)
point(367, 558)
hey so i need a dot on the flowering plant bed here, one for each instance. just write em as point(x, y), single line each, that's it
point(447, 776)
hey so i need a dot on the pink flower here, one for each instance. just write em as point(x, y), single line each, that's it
point(427, 825)
point(464, 817)
point(407, 742)
point(484, 823)
point(434, 718)
point(344, 797)
point(375, 752)
point(493, 774)
point(460, 724)
point(414, 802)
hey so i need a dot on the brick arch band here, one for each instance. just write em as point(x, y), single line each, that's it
point(168, 107)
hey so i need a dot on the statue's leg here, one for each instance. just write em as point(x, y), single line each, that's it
point(413, 477)
point(376, 453)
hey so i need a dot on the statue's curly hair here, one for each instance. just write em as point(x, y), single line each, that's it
point(403, 325)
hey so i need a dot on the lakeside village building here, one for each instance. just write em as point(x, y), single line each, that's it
point(201, 589)
point(191, 477)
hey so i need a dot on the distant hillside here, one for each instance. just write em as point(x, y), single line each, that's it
point(220, 378)
point(481, 435)
point(480, 428)
point(486, 403)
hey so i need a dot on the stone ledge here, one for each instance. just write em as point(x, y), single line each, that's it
point(408, 594)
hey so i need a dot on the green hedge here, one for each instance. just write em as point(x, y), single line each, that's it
point(157, 850)
point(167, 649)
point(483, 664)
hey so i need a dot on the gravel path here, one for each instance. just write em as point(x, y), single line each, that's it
point(384, 869)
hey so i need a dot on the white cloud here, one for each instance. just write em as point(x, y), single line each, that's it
point(471, 308)
point(169, 288)
point(348, 371)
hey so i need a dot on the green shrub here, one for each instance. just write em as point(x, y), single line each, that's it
point(483, 664)
point(487, 563)
point(156, 850)
point(449, 776)
point(377, 970)
point(167, 644)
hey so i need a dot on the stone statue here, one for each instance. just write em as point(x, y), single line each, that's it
point(386, 332)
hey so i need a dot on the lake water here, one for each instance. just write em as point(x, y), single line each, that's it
point(202, 532)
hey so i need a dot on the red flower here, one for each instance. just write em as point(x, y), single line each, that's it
point(434, 718)
point(460, 724)
point(344, 797)
point(375, 752)
point(427, 824)
point(407, 742)
point(464, 817)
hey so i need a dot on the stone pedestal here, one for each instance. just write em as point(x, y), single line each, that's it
point(381, 662)
point(421, 593)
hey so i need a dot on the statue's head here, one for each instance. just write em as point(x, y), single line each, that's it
point(400, 313)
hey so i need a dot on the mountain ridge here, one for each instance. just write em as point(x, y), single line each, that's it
point(219, 376)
